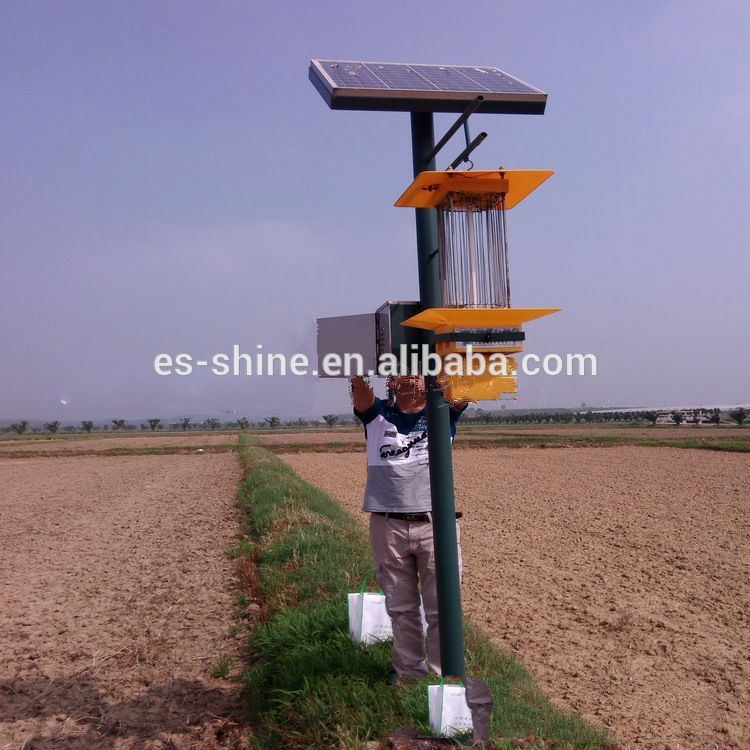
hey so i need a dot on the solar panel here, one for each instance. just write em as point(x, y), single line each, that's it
point(422, 88)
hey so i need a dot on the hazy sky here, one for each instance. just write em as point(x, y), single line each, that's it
point(172, 182)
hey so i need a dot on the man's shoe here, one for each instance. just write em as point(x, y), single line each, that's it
point(392, 678)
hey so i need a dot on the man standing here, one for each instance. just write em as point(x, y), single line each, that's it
point(397, 497)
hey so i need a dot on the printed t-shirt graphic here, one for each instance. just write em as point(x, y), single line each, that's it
point(398, 475)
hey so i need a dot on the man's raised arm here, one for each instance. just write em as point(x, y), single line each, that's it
point(363, 397)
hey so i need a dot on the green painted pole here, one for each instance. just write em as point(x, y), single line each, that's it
point(438, 425)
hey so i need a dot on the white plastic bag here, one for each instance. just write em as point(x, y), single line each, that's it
point(422, 615)
point(449, 712)
point(368, 618)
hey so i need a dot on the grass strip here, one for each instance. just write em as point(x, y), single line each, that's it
point(308, 684)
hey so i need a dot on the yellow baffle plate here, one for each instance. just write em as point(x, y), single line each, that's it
point(477, 387)
point(445, 319)
point(430, 189)
point(484, 387)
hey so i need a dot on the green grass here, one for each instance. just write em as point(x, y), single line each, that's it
point(243, 548)
point(241, 601)
point(308, 684)
point(221, 667)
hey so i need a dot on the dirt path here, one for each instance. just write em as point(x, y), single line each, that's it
point(104, 443)
point(652, 432)
point(620, 576)
point(116, 602)
point(331, 436)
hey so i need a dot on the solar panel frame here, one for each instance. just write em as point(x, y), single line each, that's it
point(407, 87)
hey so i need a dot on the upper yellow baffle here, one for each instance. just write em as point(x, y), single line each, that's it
point(452, 318)
point(429, 189)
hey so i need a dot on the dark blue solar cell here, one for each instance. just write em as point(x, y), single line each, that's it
point(447, 78)
point(495, 80)
point(401, 77)
point(352, 75)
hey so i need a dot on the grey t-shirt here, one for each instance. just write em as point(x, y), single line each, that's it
point(398, 471)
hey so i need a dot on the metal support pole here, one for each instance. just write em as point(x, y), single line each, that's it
point(438, 424)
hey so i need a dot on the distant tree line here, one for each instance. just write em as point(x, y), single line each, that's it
point(677, 417)
point(715, 416)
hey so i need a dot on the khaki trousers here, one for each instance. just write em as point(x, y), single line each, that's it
point(405, 563)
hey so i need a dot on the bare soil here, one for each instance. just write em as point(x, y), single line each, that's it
point(619, 576)
point(116, 602)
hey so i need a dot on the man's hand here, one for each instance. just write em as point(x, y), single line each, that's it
point(363, 397)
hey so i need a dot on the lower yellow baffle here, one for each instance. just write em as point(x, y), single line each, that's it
point(445, 319)
point(485, 387)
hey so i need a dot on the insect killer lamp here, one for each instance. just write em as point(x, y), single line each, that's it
point(474, 274)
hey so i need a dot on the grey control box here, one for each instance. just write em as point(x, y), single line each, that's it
point(370, 335)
